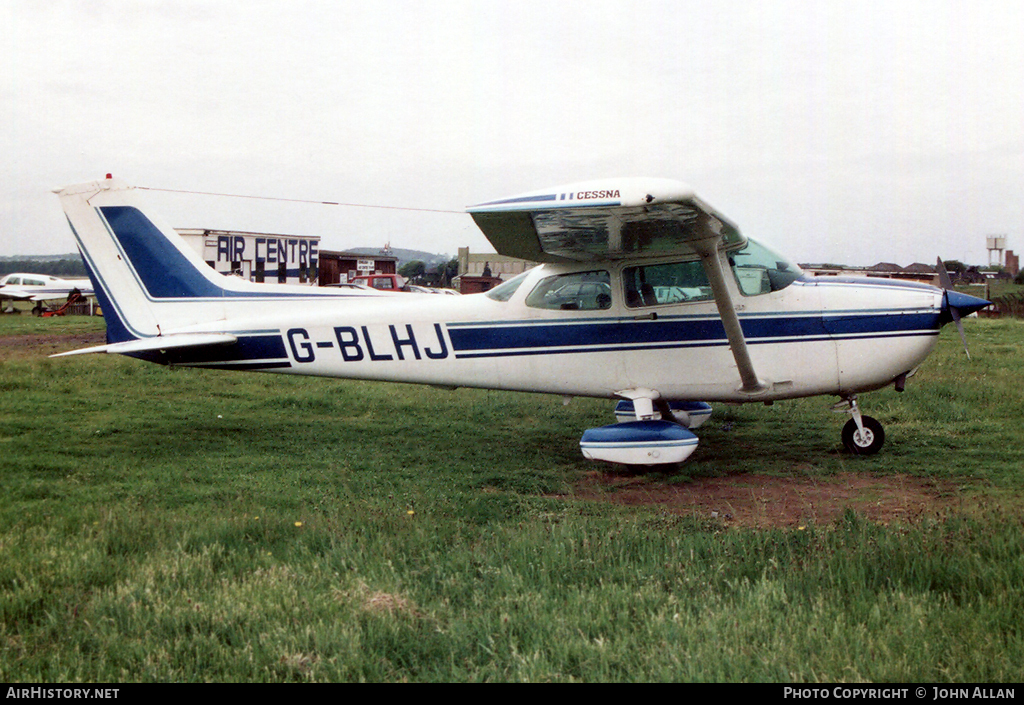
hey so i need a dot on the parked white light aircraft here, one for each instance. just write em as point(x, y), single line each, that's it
point(645, 294)
point(41, 287)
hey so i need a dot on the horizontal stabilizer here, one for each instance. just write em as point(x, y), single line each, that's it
point(161, 342)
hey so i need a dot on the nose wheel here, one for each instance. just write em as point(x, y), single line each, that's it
point(863, 441)
point(862, 435)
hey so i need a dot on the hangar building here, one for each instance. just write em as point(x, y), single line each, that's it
point(285, 259)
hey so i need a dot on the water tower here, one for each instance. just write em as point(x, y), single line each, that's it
point(996, 243)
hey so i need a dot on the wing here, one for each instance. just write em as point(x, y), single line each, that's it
point(49, 295)
point(607, 219)
point(618, 218)
point(38, 294)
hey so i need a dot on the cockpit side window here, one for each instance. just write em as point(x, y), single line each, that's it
point(758, 270)
point(672, 283)
point(578, 291)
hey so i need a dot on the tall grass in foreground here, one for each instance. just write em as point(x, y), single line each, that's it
point(188, 525)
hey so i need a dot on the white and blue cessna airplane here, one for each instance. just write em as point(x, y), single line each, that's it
point(645, 294)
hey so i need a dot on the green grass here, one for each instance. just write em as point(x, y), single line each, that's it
point(994, 288)
point(187, 525)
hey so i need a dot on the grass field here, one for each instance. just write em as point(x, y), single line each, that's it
point(186, 525)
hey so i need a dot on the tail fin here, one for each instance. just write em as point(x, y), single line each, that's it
point(136, 262)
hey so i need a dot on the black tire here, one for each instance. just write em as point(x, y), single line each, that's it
point(867, 444)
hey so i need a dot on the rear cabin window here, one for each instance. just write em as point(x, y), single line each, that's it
point(579, 291)
point(672, 283)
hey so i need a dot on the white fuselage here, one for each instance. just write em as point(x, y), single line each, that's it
point(812, 337)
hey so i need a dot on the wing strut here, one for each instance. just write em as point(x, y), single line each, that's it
point(708, 250)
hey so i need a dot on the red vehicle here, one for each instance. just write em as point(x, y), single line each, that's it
point(385, 282)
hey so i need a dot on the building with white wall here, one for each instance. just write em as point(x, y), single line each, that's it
point(258, 257)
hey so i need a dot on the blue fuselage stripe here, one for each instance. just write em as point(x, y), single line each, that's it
point(267, 350)
point(534, 339)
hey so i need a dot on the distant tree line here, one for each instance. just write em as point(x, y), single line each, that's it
point(70, 266)
point(417, 272)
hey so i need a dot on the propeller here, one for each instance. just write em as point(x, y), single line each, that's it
point(957, 304)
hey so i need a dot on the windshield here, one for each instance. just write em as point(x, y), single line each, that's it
point(505, 290)
point(758, 270)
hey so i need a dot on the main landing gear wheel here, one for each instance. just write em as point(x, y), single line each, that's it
point(866, 442)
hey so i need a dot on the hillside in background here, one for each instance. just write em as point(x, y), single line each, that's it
point(429, 259)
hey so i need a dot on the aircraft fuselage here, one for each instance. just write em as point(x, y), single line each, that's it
point(815, 336)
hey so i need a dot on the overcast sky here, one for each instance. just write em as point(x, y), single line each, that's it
point(851, 132)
